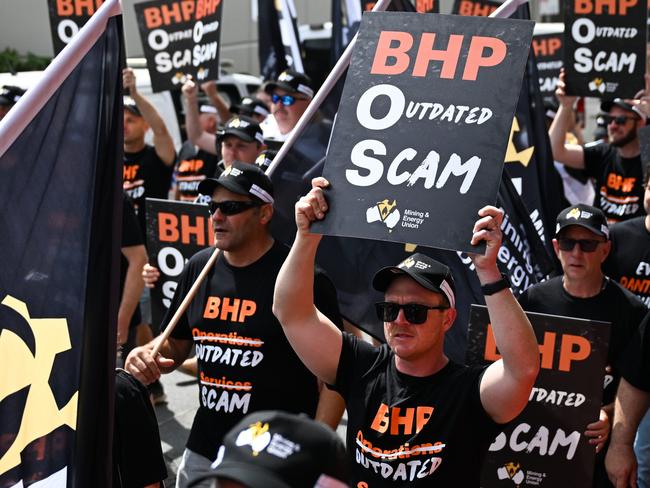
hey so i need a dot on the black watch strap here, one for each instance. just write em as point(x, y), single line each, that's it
point(497, 286)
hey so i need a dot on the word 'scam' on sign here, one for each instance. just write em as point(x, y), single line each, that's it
point(420, 136)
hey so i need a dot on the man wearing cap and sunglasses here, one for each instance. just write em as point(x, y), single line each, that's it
point(290, 95)
point(616, 165)
point(583, 291)
point(245, 362)
point(414, 417)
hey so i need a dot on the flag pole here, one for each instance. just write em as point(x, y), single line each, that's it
point(507, 9)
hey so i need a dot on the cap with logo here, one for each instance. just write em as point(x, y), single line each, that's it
point(292, 82)
point(10, 94)
point(208, 109)
point(243, 128)
point(265, 159)
point(426, 271)
point(607, 105)
point(131, 106)
point(243, 179)
point(250, 106)
point(280, 450)
point(586, 216)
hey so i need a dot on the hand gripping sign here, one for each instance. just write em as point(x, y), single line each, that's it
point(419, 141)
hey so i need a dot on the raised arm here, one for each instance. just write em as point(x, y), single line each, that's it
point(199, 137)
point(210, 89)
point(570, 155)
point(506, 384)
point(312, 335)
point(162, 141)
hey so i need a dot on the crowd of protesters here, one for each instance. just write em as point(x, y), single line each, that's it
point(265, 339)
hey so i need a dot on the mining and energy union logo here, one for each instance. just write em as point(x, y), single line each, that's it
point(386, 212)
point(597, 84)
point(511, 471)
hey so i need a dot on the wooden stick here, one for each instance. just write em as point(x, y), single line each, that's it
point(186, 302)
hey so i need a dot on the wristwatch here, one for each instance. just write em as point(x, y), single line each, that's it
point(497, 286)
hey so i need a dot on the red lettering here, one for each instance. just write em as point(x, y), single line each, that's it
point(449, 57)
point(475, 58)
point(380, 423)
point(212, 308)
point(598, 7)
point(167, 227)
point(384, 51)
point(229, 308)
point(568, 354)
point(198, 230)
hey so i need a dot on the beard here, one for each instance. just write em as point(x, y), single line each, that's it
point(626, 139)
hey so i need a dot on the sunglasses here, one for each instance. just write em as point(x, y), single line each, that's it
point(605, 120)
point(231, 207)
point(586, 245)
point(415, 313)
point(287, 100)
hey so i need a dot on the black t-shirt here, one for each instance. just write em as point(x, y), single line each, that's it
point(194, 165)
point(613, 304)
point(145, 175)
point(245, 362)
point(410, 431)
point(635, 366)
point(629, 261)
point(619, 182)
point(131, 236)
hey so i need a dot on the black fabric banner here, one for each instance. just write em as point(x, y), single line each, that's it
point(180, 38)
point(545, 445)
point(272, 57)
point(549, 51)
point(67, 17)
point(605, 47)
point(175, 232)
point(60, 217)
point(388, 181)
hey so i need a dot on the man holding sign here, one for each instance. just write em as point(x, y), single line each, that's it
point(413, 416)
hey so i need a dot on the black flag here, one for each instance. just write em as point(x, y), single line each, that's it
point(60, 212)
point(272, 56)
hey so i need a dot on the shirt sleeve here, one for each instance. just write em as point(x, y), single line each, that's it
point(594, 156)
point(635, 363)
point(326, 300)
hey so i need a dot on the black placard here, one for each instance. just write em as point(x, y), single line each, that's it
point(548, 49)
point(67, 17)
point(476, 8)
point(545, 445)
point(180, 38)
point(175, 232)
point(418, 147)
point(605, 47)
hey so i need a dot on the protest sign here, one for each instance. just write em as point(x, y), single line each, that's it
point(605, 45)
point(67, 17)
point(175, 232)
point(476, 8)
point(549, 53)
point(180, 38)
point(426, 113)
point(545, 445)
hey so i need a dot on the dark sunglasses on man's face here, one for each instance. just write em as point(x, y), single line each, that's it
point(415, 313)
point(287, 100)
point(231, 207)
point(605, 120)
point(586, 245)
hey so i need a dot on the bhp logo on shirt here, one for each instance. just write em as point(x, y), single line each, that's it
point(227, 308)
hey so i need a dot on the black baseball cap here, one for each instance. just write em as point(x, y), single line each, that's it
point(243, 128)
point(243, 179)
point(273, 449)
point(131, 106)
point(249, 106)
point(426, 271)
point(607, 105)
point(586, 216)
point(292, 82)
point(265, 159)
point(10, 94)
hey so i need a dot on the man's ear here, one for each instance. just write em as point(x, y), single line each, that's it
point(556, 247)
point(266, 213)
point(450, 317)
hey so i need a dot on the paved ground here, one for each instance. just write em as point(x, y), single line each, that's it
point(175, 418)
